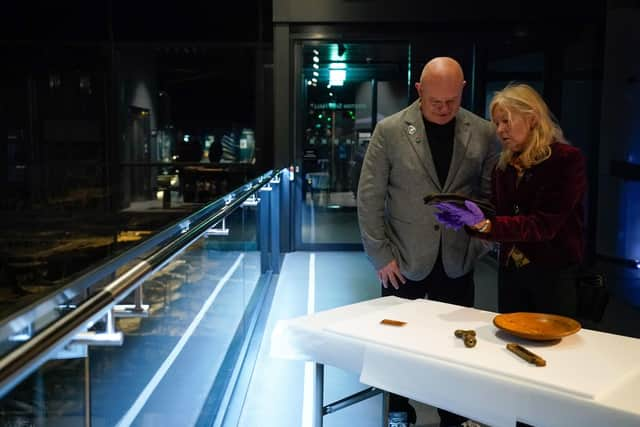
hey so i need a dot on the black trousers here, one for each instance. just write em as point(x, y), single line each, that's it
point(437, 286)
point(538, 289)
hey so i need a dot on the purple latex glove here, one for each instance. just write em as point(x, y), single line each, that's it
point(449, 220)
point(457, 216)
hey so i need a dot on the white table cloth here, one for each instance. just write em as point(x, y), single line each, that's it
point(591, 378)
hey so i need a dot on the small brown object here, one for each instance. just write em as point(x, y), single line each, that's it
point(467, 335)
point(460, 333)
point(470, 341)
point(391, 322)
point(525, 354)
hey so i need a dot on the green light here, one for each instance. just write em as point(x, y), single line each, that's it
point(338, 52)
point(337, 73)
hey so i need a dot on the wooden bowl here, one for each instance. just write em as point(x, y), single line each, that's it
point(537, 326)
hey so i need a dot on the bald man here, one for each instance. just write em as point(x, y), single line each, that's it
point(432, 146)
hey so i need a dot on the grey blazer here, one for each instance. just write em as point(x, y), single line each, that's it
point(398, 172)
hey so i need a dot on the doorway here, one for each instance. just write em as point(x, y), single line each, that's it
point(342, 90)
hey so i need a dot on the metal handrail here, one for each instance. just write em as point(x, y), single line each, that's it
point(20, 362)
point(22, 318)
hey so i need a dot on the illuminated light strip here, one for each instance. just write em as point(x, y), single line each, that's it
point(308, 395)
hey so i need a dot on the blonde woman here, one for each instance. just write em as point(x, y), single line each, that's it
point(538, 189)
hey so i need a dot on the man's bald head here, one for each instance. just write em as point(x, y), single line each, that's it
point(440, 89)
point(442, 68)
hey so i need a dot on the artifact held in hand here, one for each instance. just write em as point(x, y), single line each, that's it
point(458, 199)
point(456, 217)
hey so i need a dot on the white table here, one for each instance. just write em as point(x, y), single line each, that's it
point(591, 378)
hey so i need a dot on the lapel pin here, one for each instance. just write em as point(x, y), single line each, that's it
point(411, 129)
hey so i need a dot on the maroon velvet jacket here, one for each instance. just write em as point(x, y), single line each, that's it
point(544, 215)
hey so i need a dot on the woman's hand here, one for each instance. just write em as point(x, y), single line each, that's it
point(456, 217)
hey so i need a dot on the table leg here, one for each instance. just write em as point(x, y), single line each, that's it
point(318, 395)
point(385, 409)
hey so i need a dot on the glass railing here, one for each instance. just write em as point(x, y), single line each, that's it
point(155, 336)
point(80, 228)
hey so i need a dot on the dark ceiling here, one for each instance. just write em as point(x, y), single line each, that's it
point(140, 20)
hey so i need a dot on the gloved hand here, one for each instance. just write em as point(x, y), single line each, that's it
point(456, 216)
point(449, 220)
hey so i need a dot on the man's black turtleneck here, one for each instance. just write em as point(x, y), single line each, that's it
point(440, 139)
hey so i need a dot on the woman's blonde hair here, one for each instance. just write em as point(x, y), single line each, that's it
point(522, 99)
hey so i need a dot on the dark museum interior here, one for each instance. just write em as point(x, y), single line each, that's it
point(210, 152)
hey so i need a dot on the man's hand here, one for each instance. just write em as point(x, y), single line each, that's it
point(390, 273)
